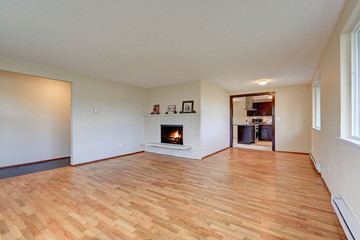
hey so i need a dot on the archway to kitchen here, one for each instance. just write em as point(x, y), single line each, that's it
point(252, 121)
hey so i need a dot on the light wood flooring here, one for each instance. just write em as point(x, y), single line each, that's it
point(260, 145)
point(235, 194)
point(264, 143)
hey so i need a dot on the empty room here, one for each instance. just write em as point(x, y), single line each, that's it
point(165, 119)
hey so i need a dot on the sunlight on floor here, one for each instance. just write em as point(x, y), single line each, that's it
point(260, 145)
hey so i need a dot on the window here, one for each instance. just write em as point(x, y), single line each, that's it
point(317, 104)
point(350, 81)
point(355, 83)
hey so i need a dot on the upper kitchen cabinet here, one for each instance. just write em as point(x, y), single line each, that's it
point(261, 109)
point(264, 109)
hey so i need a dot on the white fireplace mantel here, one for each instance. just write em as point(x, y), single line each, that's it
point(173, 115)
point(191, 134)
point(167, 145)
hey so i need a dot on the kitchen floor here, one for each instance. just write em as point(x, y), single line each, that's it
point(260, 145)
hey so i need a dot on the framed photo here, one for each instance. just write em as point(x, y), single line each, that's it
point(171, 109)
point(156, 109)
point(188, 107)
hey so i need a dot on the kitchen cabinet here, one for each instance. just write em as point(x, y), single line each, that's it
point(250, 113)
point(265, 132)
point(261, 109)
point(266, 109)
point(246, 134)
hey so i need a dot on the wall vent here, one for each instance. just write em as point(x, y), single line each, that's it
point(347, 220)
point(316, 164)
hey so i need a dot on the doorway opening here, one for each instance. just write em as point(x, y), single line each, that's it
point(252, 121)
point(37, 125)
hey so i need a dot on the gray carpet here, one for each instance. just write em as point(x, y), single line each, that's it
point(32, 168)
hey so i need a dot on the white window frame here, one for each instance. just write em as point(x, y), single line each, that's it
point(355, 83)
point(350, 82)
point(317, 103)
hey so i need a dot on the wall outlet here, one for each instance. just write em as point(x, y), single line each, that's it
point(120, 145)
point(277, 119)
point(95, 110)
point(282, 141)
point(328, 168)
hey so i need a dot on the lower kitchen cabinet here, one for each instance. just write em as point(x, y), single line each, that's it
point(265, 133)
point(246, 134)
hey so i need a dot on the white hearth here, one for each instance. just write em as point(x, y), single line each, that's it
point(191, 147)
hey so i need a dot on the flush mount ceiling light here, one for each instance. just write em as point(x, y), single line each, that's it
point(262, 82)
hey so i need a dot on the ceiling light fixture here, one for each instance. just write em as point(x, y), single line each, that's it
point(262, 82)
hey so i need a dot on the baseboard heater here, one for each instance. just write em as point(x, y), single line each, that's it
point(316, 164)
point(347, 220)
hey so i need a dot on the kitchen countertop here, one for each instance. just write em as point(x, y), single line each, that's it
point(251, 124)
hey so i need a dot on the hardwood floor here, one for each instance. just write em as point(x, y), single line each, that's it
point(235, 194)
point(264, 143)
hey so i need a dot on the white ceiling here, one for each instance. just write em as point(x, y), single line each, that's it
point(147, 43)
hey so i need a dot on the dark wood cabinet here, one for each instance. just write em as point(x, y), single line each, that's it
point(246, 134)
point(261, 109)
point(265, 132)
point(251, 113)
point(268, 108)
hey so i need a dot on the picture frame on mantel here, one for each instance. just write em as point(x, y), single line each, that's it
point(188, 107)
point(156, 109)
point(171, 109)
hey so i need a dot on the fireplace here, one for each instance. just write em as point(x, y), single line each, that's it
point(172, 134)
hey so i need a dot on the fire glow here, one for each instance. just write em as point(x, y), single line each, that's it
point(172, 134)
point(175, 137)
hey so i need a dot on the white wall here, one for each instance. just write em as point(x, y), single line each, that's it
point(293, 106)
point(239, 114)
point(34, 119)
point(340, 163)
point(173, 94)
point(215, 118)
point(118, 126)
point(95, 136)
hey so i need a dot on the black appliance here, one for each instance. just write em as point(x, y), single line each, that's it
point(256, 122)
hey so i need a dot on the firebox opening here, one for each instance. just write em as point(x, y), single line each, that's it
point(172, 134)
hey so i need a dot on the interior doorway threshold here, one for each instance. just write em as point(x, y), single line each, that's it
point(250, 146)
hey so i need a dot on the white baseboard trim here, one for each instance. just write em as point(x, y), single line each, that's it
point(347, 220)
point(316, 164)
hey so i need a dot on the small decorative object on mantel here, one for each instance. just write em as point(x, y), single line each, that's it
point(187, 107)
point(156, 109)
point(171, 109)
